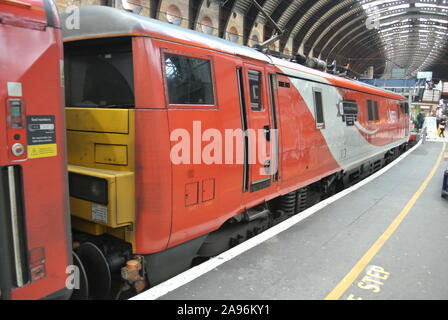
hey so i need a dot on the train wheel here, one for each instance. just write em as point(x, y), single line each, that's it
point(97, 270)
point(301, 200)
point(81, 293)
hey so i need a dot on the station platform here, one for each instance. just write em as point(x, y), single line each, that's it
point(387, 239)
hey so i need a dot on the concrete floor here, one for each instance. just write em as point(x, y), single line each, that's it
point(308, 260)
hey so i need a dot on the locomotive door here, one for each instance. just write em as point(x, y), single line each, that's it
point(259, 127)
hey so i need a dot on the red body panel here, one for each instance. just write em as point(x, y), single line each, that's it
point(178, 211)
point(32, 56)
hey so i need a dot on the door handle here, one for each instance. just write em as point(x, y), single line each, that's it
point(267, 164)
point(267, 132)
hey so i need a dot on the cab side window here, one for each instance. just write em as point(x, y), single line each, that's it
point(255, 90)
point(318, 108)
point(189, 80)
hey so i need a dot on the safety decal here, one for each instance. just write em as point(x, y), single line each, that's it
point(41, 135)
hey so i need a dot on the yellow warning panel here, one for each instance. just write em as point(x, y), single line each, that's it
point(42, 151)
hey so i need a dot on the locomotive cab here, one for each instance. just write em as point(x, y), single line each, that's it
point(100, 104)
point(100, 122)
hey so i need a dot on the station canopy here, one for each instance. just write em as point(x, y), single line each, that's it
point(387, 34)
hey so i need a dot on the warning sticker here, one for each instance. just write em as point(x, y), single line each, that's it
point(42, 150)
point(99, 213)
point(41, 135)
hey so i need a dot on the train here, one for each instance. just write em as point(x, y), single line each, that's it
point(182, 145)
point(35, 234)
point(179, 146)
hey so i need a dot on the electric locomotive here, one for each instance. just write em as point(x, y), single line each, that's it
point(35, 235)
point(182, 145)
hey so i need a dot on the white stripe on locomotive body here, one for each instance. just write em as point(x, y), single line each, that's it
point(366, 131)
point(347, 145)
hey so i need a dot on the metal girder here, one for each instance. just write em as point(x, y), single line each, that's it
point(364, 61)
point(347, 35)
point(224, 16)
point(269, 6)
point(413, 16)
point(243, 5)
point(330, 15)
point(422, 49)
point(321, 12)
point(420, 24)
point(352, 35)
point(361, 53)
point(249, 21)
point(310, 13)
point(406, 49)
point(155, 8)
point(328, 27)
point(393, 35)
point(279, 10)
point(341, 41)
point(194, 8)
point(359, 66)
point(318, 5)
point(292, 9)
point(412, 60)
point(375, 40)
point(298, 14)
point(331, 27)
point(404, 54)
point(392, 38)
point(365, 58)
point(364, 52)
point(406, 25)
point(378, 40)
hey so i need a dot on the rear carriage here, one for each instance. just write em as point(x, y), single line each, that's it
point(35, 236)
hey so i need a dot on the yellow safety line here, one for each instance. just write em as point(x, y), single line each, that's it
point(345, 283)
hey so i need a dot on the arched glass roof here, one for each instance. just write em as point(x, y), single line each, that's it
point(387, 34)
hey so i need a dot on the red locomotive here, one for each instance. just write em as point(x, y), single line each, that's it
point(163, 127)
point(35, 246)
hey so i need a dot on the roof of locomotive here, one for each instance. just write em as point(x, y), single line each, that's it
point(36, 11)
point(103, 22)
point(298, 70)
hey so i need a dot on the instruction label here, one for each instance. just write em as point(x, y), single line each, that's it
point(99, 213)
point(41, 135)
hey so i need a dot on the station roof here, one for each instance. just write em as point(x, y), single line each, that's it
point(406, 34)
